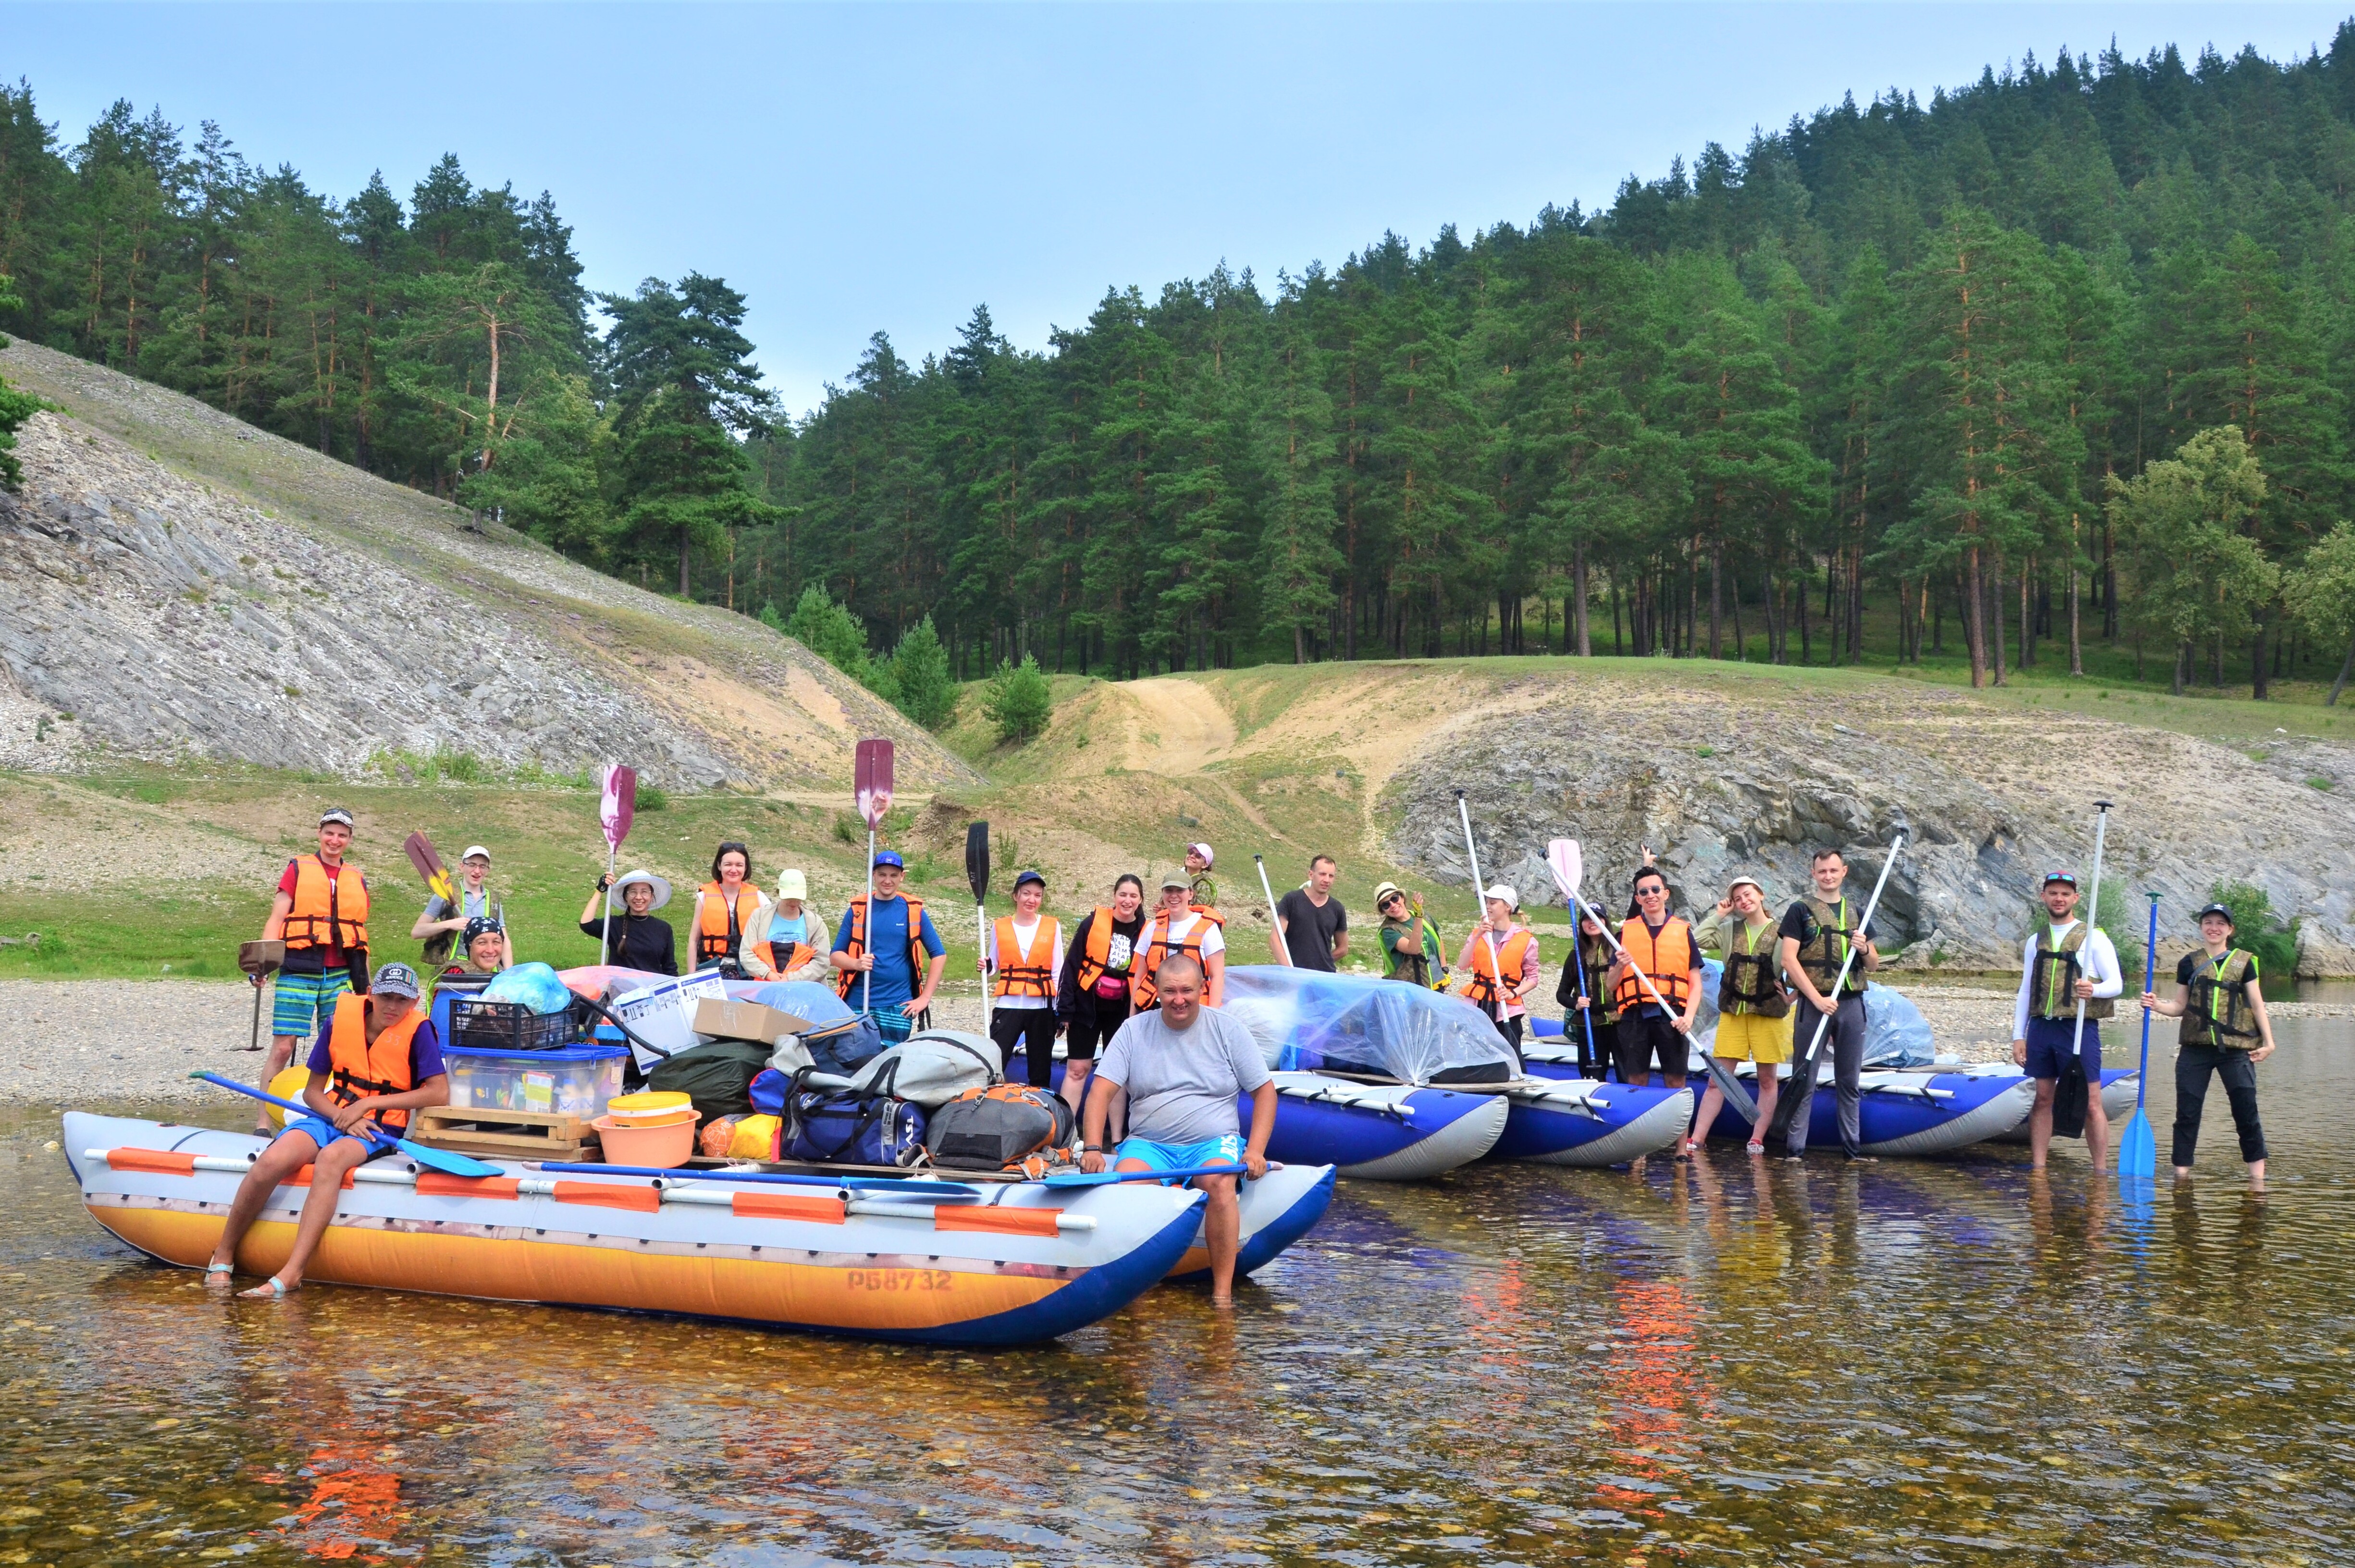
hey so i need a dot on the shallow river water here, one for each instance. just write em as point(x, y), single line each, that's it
point(1904, 1362)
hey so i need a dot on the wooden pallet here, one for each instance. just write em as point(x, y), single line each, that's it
point(506, 1134)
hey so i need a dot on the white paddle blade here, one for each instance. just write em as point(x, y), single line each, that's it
point(1562, 858)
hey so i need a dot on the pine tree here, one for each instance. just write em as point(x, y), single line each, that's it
point(1297, 560)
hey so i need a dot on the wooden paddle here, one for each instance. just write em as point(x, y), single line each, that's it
point(429, 865)
point(976, 873)
point(439, 1158)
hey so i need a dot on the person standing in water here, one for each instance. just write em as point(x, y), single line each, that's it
point(1023, 965)
point(1754, 1010)
point(320, 911)
point(1589, 968)
point(1660, 945)
point(2064, 963)
point(1817, 934)
point(2225, 1034)
point(1091, 1000)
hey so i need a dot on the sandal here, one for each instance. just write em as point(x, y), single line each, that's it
point(221, 1270)
point(270, 1289)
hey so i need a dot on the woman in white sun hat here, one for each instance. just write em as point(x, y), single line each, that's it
point(639, 940)
point(787, 939)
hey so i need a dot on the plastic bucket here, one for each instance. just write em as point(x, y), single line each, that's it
point(671, 1144)
point(652, 1107)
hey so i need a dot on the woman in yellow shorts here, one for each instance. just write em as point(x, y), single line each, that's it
point(1754, 1010)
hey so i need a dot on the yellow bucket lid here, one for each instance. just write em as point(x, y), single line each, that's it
point(650, 1103)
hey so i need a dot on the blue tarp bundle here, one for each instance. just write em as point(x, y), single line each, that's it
point(1306, 1019)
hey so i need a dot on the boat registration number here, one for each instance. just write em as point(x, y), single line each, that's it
point(901, 1278)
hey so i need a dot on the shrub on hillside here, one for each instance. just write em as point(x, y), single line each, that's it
point(1018, 700)
point(927, 689)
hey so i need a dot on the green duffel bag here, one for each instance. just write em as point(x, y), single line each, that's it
point(717, 1076)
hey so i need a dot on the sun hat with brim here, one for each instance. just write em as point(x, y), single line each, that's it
point(793, 885)
point(2216, 909)
point(660, 884)
point(2066, 878)
point(1385, 891)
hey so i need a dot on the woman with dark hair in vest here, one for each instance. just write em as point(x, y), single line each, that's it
point(1093, 999)
point(1022, 965)
point(725, 907)
point(2225, 1034)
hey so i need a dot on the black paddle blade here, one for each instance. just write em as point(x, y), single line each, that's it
point(976, 859)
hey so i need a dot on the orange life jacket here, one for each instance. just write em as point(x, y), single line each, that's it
point(1027, 973)
point(1669, 961)
point(718, 931)
point(854, 942)
point(329, 911)
point(360, 1069)
point(788, 955)
point(1154, 943)
point(1095, 959)
point(1512, 955)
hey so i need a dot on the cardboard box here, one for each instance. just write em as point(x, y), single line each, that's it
point(746, 1021)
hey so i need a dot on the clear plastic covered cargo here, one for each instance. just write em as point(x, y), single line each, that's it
point(1306, 1019)
point(577, 1080)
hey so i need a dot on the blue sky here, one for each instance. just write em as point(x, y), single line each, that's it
point(856, 168)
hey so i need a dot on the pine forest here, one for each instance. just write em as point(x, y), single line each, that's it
point(2053, 372)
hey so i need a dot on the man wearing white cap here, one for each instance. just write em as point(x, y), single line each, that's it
point(1500, 958)
point(787, 939)
point(444, 919)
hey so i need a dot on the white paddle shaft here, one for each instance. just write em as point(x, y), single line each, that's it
point(2101, 823)
point(867, 980)
point(981, 922)
point(1822, 1020)
point(1728, 1085)
point(1480, 905)
point(1274, 918)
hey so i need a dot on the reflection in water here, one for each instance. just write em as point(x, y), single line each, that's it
point(1725, 1362)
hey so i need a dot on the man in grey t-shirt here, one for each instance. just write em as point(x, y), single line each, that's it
point(1182, 1068)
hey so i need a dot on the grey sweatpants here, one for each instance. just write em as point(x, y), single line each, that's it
point(1844, 1037)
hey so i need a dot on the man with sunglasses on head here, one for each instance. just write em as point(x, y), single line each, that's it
point(2064, 963)
point(1656, 944)
point(1817, 935)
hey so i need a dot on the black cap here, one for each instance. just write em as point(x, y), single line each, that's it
point(1022, 876)
point(2215, 909)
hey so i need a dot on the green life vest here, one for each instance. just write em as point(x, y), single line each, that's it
point(1416, 969)
point(2054, 974)
point(1751, 984)
point(2216, 1009)
point(1594, 959)
point(1826, 947)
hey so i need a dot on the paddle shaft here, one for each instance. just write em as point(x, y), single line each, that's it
point(2150, 963)
point(439, 1159)
point(1109, 1178)
point(881, 1183)
point(867, 980)
point(605, 936)
point(2101, 827)
point(1822, 1020)
point(1274, 918)
point(1480, 902)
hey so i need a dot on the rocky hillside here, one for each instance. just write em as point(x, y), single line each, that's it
point(174, 584)
point(1733, 775)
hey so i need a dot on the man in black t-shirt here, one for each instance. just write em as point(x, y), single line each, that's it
point(1817, 935)
point(1311, 925)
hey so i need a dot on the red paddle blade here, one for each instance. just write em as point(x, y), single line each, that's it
point(619, 805)
point(420, 855)
point(871, 781)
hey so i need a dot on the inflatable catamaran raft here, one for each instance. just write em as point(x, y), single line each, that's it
point(980, 1263)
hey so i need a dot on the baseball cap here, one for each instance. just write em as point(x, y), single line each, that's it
point(1176, 879)
point(791, 884)
point(394, 980)
point(474, 850)
point(1022, 876)
point(1204, 850)
point(2215, 909)
point(1749, 881)
point(2068, 877)
point(335, 814)
point(1505, 892)
point(889, 857)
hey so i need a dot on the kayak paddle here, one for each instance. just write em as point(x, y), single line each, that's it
point(1563, 860)
point(439, 1158)
point(870, 784)
point(942, 1192)
point(1480, 907)
point(428, 866)
point(976, 871)
point(2137, 1149)
point(1106, 1178)
point(1282, 948)
point(617, 808)
point(2093, 912)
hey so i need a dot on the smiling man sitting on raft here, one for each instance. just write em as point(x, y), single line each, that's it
point(1182, 1066)
point(376, 1060)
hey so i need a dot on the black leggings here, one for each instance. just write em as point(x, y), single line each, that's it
point(1032, 1030)
point(2192, 1065)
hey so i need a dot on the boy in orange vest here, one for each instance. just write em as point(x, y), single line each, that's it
point(377, 1060)
point(321, 913)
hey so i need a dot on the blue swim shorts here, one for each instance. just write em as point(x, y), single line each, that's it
point(2047, 1047)
point(303, 1002)
point(322, 1132)
point(1180, 1155)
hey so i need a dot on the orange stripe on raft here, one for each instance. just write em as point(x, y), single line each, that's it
point(644, 1200)
point(157, 1161)
point(788, 1206)
point(498, 1268)
point(440, 1184)
point(998, 1221)
point(303, 1178)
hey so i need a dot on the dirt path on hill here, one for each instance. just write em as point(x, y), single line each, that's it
point(1174, 727)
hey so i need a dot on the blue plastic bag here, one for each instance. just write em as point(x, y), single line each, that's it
point(536, 986)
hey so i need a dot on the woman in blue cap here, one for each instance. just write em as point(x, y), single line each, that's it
point(891, 970)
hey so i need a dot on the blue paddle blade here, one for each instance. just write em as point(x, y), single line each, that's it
point(1107, 1177)
point(2137, 1149)
point(444, 1161)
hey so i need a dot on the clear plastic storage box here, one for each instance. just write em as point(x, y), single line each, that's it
point(576, 1080)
